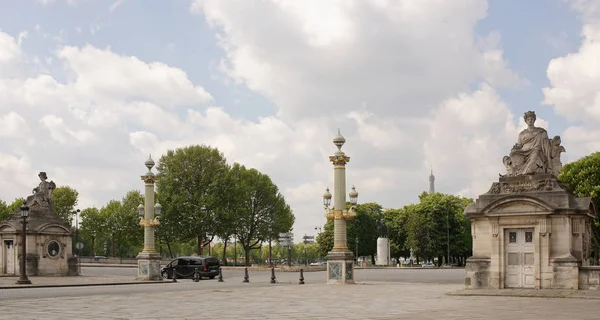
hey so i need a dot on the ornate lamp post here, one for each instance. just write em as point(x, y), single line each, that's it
point(270, 254)
point(77, 245)
point(149, 259)
point(340, 259)
point(23, 266)
point(209, 238)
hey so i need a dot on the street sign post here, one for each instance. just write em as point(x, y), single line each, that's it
point(286, 239)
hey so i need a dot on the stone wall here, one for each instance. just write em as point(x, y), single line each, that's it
point(589, 278)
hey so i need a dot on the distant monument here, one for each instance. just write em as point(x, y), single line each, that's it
point(383, 245)
point(49, 238)
point(528, 230)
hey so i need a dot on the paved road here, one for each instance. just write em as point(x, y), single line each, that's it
point(385, 274)
point(372, 300)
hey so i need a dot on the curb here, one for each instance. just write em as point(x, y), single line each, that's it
point(81, 284)
point(571, 295)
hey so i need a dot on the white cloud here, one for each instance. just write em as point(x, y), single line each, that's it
point(379, 70)
point(468, 137)
point(388, 55)
point(10, 54)
point(125, 78)
point(574, 82)
point(115, 5)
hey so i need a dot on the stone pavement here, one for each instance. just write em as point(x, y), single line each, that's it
point(372, 300)
point(36, 282)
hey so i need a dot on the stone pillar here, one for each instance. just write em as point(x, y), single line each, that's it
point(340, 260)
point(149, 259)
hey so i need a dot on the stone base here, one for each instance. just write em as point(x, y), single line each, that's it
point(73, 266)
point(149, 266)
point(383, 252)
point(477, 273)
point(565, 273)
point(340, 268)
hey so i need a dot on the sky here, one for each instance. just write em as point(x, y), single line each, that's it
point(90, 88)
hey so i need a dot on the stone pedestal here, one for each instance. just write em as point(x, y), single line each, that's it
point(383, 252)
point(340, 268)
point(149, 266)
point(529, 231)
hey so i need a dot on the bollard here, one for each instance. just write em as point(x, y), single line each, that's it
point(196, 275)
point(273, 279)
point(174, 275)
point(246, 278)
point(301, 277)
point(220, 275)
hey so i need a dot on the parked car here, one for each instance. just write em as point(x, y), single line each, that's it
point(184, 267)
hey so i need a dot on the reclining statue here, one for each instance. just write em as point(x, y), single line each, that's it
point(534, 152)
point(42, 194)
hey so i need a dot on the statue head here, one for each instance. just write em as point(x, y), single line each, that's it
point(506, 160)
point(42, 176)
point(529, 115)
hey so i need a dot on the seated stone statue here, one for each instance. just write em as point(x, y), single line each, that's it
point(531, 153)
point(534, 153)
point(42, 194)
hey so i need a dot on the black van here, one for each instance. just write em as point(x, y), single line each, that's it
point(208, 267)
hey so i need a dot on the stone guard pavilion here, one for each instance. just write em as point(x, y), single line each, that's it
point(529, 230)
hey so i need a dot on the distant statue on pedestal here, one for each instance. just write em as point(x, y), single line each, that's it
point(42, 194)
point(382, 229)
point(534, 152)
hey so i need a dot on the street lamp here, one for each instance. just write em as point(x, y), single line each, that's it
point(24, 214)
point(340, 259)
point(318, 228)
point(270, 256)
point(209, 237)
point(149, 259)
point(356, 250)
point(77, 245)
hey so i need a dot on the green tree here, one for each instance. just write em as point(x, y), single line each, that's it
point(4, 213)
point(187, 185)
point(436, 224)
point(325, 239)
point(130, 235)
point(92, 224)
point(364, 229)
point(64, 200)
point(15, 206)
point(582, 177)
point(396, 221)
point(258, 206)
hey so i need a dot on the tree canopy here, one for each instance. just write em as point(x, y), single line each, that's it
point(582, 177)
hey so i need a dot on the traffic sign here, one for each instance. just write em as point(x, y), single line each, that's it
point(286, 235)
point(286, 243)
point(79, 245)
point(284, 239)
point(307, 241)
point(308, 237)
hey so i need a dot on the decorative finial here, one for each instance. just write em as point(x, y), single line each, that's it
point(339, 140)
point(149, 163)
